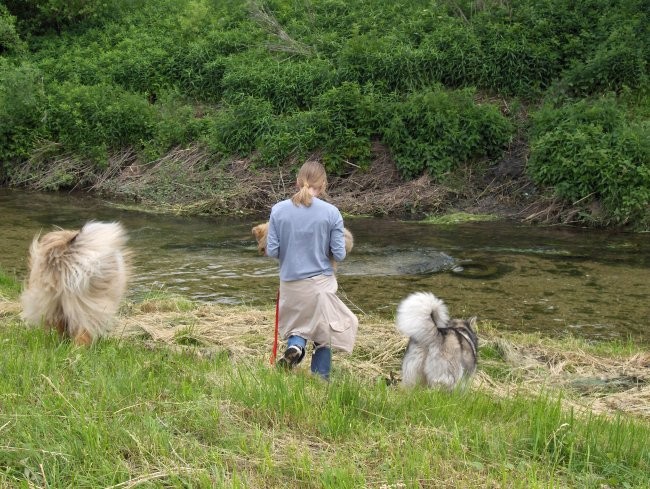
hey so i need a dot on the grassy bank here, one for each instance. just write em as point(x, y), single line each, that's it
point(182, 396)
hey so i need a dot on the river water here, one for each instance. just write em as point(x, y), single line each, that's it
point(594, 283)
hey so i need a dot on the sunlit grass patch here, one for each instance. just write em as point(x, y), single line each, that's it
point(10, 286)
point(163, 301)
point(458, 218)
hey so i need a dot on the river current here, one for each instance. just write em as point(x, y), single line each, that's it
point(594, 283)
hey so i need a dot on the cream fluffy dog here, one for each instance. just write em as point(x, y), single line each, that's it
point(77, 279)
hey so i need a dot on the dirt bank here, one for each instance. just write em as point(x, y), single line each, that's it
point(191, 181)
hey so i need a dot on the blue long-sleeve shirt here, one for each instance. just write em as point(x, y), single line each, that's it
point(302, 238)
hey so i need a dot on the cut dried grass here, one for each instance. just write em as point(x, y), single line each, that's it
point(8, 308)
point(603, 383)
point(379, 190)
point(48, 170)
point(533, 364)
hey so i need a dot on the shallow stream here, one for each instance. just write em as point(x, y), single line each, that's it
point(595, 283)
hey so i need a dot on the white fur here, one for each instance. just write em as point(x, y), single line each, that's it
point(81, 283)
point(431, 358)
point(414, 315)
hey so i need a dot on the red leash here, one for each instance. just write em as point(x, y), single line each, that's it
point(274, 354)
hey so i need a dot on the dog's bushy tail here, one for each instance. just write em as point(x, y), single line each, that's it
point(420, 315)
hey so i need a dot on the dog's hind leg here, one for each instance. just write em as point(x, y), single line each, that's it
point(59, 325)
point(83, 338)
point(441, 373)
point(412, 374)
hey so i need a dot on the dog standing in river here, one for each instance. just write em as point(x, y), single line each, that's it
point(77, 279)
point(441, 352)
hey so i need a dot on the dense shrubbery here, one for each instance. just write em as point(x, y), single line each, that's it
point(437, 130)
point(22, 108)
point(10, 41)
point(237, 128)
point(91, 120)
point(40, 16)
point(340, 123)
point(591, 152)
point(279, 79)
point(621, 61)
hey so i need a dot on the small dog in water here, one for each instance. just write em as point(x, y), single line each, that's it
point(441, 352)
point(261, 230)
point(77, 279)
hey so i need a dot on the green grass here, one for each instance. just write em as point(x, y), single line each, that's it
point(124, 414)
point(9, 286)
point(119, 413)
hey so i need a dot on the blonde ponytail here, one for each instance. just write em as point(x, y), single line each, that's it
point(311, 175)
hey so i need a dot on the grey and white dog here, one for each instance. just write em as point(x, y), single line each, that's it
point(441, 352)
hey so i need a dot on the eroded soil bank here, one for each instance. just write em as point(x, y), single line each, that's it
point(190, 181)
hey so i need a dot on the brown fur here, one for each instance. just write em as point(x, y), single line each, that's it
point(76, 281)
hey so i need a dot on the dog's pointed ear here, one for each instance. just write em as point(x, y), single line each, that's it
point(472, 322)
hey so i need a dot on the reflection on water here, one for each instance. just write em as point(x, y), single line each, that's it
point(595, 283)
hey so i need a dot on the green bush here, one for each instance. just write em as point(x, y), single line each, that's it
point(387, 62)
point(294, 135)
point(137, 63)
point(350, 118)
point(177, 124)
point(341, 125)
point(621, 61)
point(454, 54)
point(22, 110)
point(437, 130)
point(288, 85)
point(237, 128)
point(91, 120)
point(591, 152)
point(197, 66)
point(39, 16)
point(10, 41)
point(515, 64)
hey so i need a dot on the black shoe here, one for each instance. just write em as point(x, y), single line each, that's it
point(292, 357)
